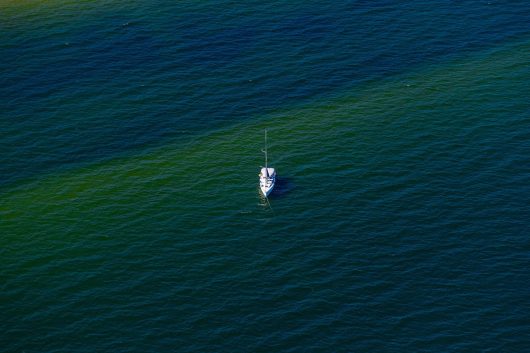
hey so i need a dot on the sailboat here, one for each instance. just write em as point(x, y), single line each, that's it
point(267, 176)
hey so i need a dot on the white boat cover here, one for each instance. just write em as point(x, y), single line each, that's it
point(268, 172)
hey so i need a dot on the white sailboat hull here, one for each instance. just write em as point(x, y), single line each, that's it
point(267, 180)
point(266, 190)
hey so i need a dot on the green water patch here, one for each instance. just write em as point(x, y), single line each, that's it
point(347, 139)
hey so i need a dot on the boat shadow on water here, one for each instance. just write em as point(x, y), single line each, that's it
point(282, 187)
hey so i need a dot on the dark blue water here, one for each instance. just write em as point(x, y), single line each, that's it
point(85, 82)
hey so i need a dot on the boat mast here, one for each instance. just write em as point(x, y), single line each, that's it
point(265, 148)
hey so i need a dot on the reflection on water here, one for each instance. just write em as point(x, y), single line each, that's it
point(263, 201)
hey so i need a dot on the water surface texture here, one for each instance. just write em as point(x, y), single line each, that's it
point(130, 138)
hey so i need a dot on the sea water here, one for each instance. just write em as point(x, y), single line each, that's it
point(130, 147)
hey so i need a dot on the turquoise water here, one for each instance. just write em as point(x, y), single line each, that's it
point(130, 137)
